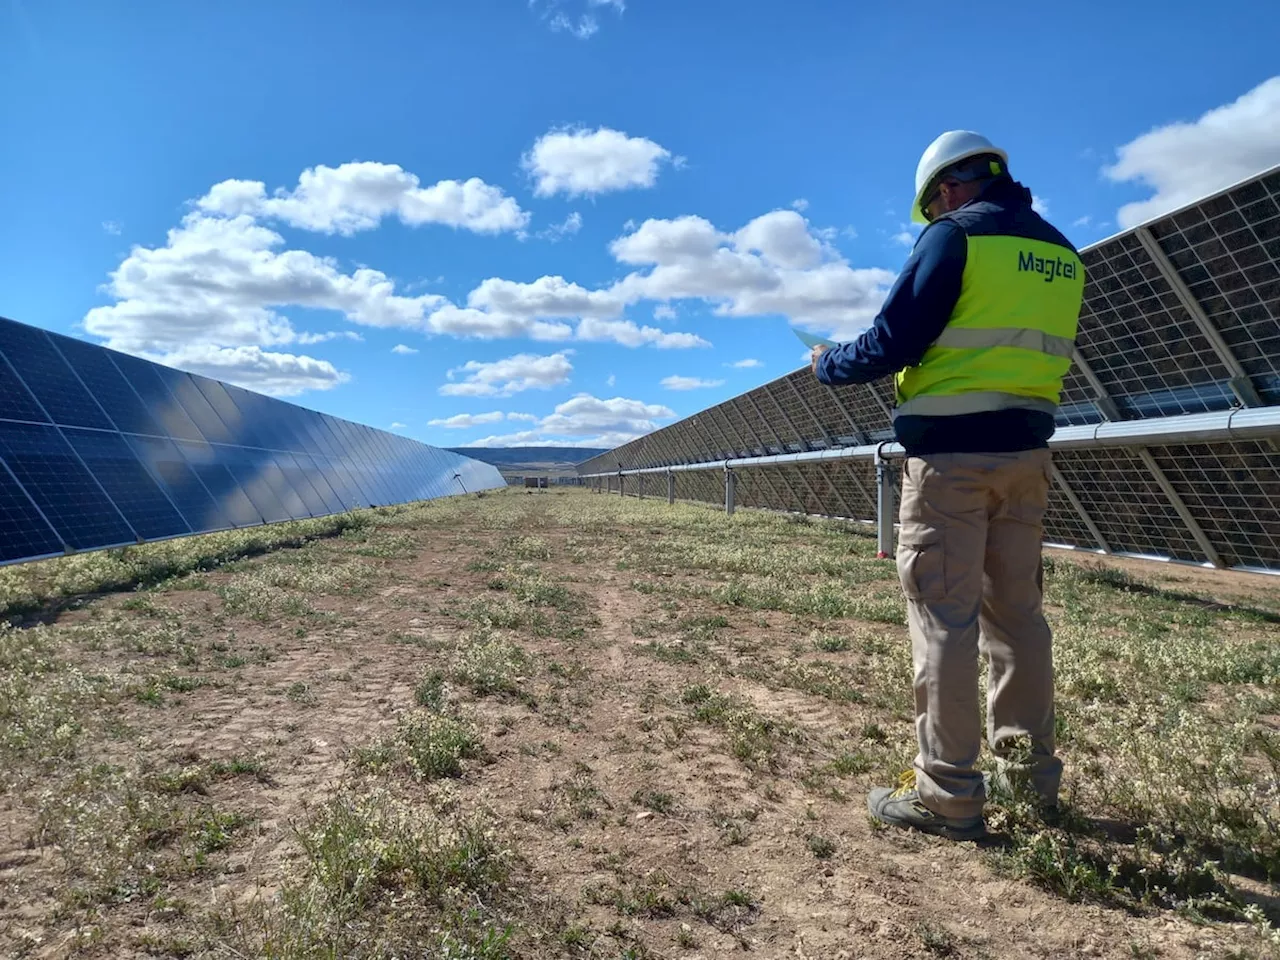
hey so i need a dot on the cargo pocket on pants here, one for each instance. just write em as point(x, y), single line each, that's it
point(921, 565)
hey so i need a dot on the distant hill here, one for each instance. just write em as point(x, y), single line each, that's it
point(512, 456)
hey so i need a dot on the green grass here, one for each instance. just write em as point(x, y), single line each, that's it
point(366, 855)
point(490, 665)
point(752, 737)
point(32, 587)
point(424, 746)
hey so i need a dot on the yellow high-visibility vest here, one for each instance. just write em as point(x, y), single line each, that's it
point(1011, 335)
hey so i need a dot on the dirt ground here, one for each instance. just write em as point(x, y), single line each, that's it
point(636, 828)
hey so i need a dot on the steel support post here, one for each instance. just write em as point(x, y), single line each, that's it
point(639, 486)
point(1210, 552)
point(730, 490)
point(884, 507)
point(740, 439)
point(1081, 512)
point(671, 487)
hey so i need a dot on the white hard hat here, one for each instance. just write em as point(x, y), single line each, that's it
point(950, 148)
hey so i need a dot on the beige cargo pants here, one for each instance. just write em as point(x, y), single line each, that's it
point(970, 565)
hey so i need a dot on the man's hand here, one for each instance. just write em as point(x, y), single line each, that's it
point(813, 357)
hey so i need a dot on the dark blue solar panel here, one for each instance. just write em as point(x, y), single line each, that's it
point(135, 494)
point(388, 460)
point(248, 467)
point(373, 467)
point(259, 430)
point(373, 481)
point(183, 485)
point(334, 439)
point(23, 532)
point(228, 413)
point(317, 434)
point(340, 480)
point(47, 375)
point(317, 471)
point(298, 478)
point(344, 485)
point(99, 448)
point(345, 462)
point(108, 385)
point(269, 469)
point(285, 426)
point(16, 401)
point(198, 409)
point(298, 419)
point(168, 412)
point(232, 499)
point(44, 463)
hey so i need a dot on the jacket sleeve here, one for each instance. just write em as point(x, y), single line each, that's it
point(917, 309)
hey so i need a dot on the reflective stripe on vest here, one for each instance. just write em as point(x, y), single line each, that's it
point(985, 401)
point(978, 338)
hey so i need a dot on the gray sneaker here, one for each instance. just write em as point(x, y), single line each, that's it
point(901, 806)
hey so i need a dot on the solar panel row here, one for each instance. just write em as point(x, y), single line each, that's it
point(101, 449)
point(1181, 316)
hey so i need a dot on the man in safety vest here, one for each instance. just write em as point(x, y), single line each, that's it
point(978, 332)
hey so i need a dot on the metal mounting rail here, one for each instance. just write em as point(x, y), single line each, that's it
point(1239, 424)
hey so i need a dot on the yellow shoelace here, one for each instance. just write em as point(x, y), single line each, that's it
point(906, 783)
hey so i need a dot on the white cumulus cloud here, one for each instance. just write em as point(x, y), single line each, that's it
point(746, 364)
point(689, 383)
point(588, 421)
point(309, 338)
point(628, 334)
point(773, 265)
point(220, 284)
point(1185, 160)
point(589, 162)
point(278, 374)
point(357, 196)
point(403, 349)
point(463, 421)
point(502, 378)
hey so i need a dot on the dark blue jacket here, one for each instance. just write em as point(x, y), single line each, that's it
point(918, 308)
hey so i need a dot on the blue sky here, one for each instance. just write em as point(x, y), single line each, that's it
point(578, 220)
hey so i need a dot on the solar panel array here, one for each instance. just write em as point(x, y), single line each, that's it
point(102, 449)
point(1181, 315)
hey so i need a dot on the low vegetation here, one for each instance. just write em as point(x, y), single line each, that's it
point(554, 724)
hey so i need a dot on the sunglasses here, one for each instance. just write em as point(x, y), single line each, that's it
point(928, 202)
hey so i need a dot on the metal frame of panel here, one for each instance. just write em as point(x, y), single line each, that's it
point(100, 449)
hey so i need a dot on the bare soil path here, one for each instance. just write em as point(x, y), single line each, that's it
point(674, 721)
